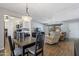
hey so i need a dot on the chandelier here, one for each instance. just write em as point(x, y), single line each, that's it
point(6, 18)
point(27, 18)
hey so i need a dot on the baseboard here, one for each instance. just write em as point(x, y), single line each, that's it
point(74, 38)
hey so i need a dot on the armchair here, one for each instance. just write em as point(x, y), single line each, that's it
point(52, 39)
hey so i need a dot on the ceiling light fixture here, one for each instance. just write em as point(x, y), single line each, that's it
point(6, 18)
point(27, 17)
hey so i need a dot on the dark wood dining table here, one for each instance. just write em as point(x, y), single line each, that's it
point(25, 44)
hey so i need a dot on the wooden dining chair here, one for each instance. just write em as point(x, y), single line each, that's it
point(38, 47)
point(15, 51)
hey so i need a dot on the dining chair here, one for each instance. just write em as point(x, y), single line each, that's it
point(15, 51)
point(38, 47)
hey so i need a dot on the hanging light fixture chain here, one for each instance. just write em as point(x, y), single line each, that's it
point(27, 10)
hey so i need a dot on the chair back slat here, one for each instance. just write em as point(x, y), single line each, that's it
point(39, 41)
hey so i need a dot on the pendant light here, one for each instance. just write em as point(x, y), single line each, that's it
point(27, 18)
point(6, 18)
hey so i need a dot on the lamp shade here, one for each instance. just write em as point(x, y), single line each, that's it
point(26, 18)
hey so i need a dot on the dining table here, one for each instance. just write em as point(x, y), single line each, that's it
point(25, 43)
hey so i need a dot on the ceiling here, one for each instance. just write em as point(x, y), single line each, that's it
point(39, 11)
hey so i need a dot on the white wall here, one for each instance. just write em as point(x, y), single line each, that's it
point(65, 28)
point(71, 28)
point(11, 28)
point(4, 12)
point(74, 30)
